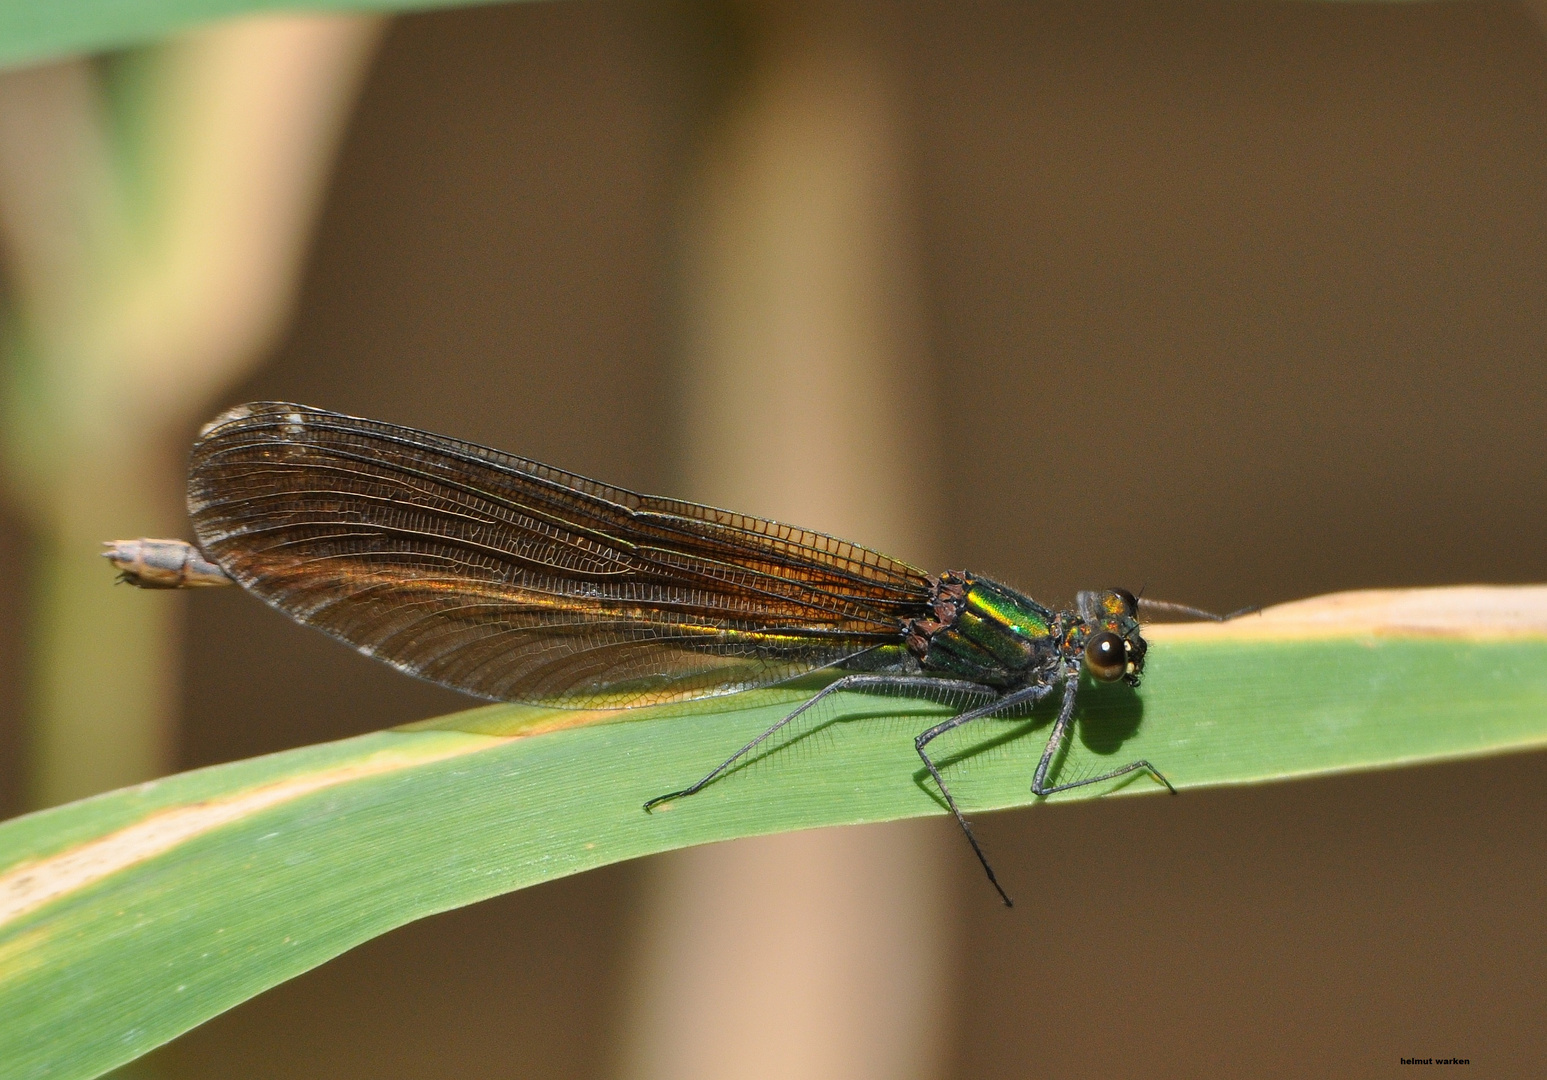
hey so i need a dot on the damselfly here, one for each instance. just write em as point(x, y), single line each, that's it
point(515, 581)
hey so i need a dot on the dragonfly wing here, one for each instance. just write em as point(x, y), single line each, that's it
point(514, 581)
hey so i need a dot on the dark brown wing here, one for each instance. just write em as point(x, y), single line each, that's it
point(514, 581)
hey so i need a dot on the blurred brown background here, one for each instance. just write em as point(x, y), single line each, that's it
point(1241, 302)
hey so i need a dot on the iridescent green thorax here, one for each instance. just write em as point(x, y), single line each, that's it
point(984, 632)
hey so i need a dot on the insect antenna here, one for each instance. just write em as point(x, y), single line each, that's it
point(1168, 608)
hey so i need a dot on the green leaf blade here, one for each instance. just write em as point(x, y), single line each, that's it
point(131, 917)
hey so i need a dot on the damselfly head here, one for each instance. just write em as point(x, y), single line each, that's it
point(1114, 649)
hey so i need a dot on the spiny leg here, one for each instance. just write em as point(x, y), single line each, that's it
point(848, 682)
point(1055, 740)
point(1029, 693)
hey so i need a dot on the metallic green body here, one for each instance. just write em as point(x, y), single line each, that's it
point(998, 638)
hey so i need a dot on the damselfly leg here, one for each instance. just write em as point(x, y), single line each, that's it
point(926, 685)
point(919, 685)
point(1025, 696)
point(1056, 740)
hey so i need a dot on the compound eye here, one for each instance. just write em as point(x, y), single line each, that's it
point(1129, 601)
point(1105, 657)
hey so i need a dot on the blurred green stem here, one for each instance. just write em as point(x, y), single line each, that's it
point(104, 667)
point(155, 210)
